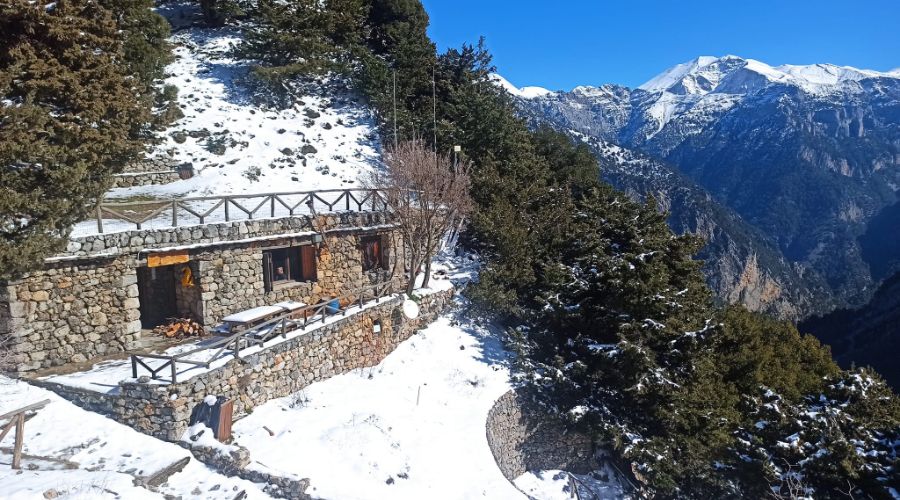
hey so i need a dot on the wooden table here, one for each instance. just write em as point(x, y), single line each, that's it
point(245, 320)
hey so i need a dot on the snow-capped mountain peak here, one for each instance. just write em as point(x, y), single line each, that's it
point(523, 92)
point(735, 75)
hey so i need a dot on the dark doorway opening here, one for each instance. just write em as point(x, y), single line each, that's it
point(156, 292)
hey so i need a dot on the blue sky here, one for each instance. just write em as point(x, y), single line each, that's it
point(564, 43)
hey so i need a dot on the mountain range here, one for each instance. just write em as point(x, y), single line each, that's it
point(790, 172)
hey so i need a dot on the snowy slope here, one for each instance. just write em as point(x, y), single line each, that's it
point(238, 144)
point(411, 427)
point(108, 456)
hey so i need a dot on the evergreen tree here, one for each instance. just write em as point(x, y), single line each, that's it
point(838, 442)
point(617, 339)
point(69, 118)
point(218, 12)
point(522, 203)
point(145, 34)
point(303, 37)
point(399, 51)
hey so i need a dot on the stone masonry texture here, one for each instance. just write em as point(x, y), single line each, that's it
point(163, 410)
point(86, 302)
point(523, 437)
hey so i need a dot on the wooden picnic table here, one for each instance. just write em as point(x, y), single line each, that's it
point(245, 320)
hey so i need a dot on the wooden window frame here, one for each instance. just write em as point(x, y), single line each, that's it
point(293, 258)
point(377, 241)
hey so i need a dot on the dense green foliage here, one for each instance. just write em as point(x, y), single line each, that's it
point(75, 106)
point(144, 35)
point(302, 37)
point(218, 12)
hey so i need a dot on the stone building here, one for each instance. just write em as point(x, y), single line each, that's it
point(101, 295)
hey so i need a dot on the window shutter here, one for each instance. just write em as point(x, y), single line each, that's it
point(376, 246)
point(267, 271)
point(308, 262)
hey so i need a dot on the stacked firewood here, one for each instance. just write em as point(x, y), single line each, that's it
point(179, 328)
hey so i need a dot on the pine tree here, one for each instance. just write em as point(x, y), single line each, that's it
point(69, 118)
point(303, 38)
point(399, 52)
point(838, 442)
point(218, 12)
point(145, 36)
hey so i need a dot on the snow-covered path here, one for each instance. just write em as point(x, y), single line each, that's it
point(411, 427)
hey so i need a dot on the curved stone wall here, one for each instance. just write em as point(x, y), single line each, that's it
point(523, 437)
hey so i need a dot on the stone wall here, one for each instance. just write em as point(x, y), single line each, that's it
point(87, 304)
point(129, 179)
point(235, 464)
point(523, 437)
point(96, 402)
point(71, 313)
point(232, 280)
point(163, 410)
point(158, 170)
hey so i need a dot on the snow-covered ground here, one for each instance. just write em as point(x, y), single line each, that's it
point(239, 144)
point(238, 140)
point(108, 456)
point(560, 485)
point(411, 427)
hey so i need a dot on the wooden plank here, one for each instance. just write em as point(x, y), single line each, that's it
point(163, 475)
point(20, 434)
point(168, 258)
point(35, 406)
point(226, 411)
point(9, 426)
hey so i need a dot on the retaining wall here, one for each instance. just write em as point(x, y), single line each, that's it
point(523, 437)
point(163, 410)
point(130, 179)
point(158, 170)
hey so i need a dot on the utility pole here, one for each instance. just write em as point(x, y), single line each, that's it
point(434, 109)
point(395, 110)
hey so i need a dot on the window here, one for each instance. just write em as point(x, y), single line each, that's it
point(286, 265)
point(372, 253)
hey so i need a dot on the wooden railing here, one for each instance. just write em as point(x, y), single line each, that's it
point(17, 420)
point(200, 210)
point(279, 325)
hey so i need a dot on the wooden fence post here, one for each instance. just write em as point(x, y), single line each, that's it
point(20, 434)
point(99, 218)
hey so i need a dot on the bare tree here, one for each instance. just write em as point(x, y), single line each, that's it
point(428, 194)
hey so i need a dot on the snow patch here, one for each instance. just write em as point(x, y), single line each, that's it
point(523, 92)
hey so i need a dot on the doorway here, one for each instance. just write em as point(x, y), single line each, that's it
point(156, 293)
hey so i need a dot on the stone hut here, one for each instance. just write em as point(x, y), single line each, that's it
point(106, 290)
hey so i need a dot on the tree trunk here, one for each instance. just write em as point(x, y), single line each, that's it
point(428, 258)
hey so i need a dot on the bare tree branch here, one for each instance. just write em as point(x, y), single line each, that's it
point(429, 197)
